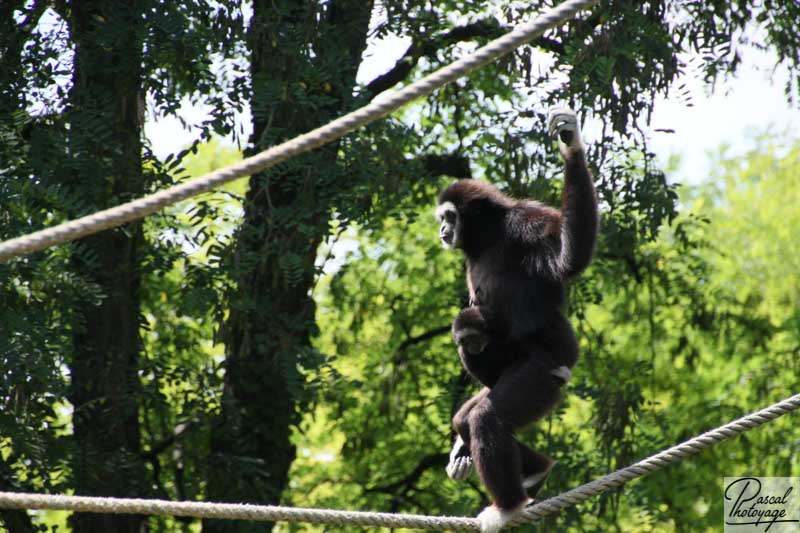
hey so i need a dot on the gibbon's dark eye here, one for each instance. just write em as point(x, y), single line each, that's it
point(450, 216)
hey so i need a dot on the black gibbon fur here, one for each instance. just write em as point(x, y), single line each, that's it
point(519, 255)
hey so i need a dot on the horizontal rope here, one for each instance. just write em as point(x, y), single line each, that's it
point(12, 500)
point(232, 511)
point(379, 107)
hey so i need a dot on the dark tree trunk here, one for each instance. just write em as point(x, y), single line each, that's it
point(106, 168)
point(301, 52)
point(13, 36)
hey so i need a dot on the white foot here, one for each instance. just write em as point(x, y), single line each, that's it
point(460, 465)
point(533, 484)
point(530, 481)
point(562, 372)
point(493, 518)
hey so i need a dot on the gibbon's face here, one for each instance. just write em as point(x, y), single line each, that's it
point(449, 225)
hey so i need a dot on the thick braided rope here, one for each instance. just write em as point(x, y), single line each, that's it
point(380, 107)
point(659, 460)
point(11, 500)
point(233, 511)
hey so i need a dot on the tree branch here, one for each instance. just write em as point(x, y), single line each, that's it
point(399, 356)
point(405, 484)
point(159, 447)
point(423, 337)
point(489, 28)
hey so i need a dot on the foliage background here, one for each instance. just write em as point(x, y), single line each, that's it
point(285, 339)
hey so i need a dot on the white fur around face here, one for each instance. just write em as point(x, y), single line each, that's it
point(443, 208)
point(441, 211)
point(493, 518)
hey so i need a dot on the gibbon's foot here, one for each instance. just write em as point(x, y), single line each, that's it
point(472, 340)
point(493, 518)
point(534, 483)
point(562, 123)
point(460, 465)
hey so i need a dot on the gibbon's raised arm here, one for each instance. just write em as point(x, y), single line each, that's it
point(578, 231)
point(559, 244)
point(578, 217)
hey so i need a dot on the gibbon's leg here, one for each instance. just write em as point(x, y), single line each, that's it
point(557, 339)
point(535, 466)
point(535, 469)
point(460, 465)
point(460, 420)
point(524, 393)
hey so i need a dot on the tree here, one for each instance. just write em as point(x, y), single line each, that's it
point(73, 99)
point(303, 64)
point(700, 329)
point(104, 100)
point(74, 76)
point(611, 62)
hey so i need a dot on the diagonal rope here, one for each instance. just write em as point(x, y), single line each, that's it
point(380, 107)
point(12, 500)
point(660, 460)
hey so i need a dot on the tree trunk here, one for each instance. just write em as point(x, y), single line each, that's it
point(12, 40)
point(106, 168)
point(304, 60)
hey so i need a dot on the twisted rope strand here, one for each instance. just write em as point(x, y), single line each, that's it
point(11, 500)
point(378, 108)
point(659, 460)
point(233, 511)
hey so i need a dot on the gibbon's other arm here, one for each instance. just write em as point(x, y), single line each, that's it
point(579, 199)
